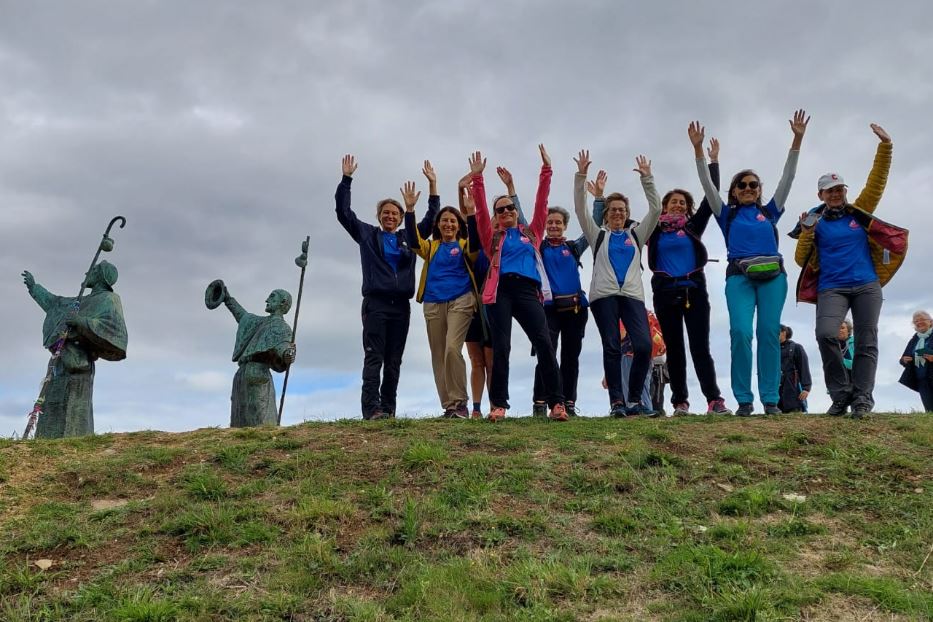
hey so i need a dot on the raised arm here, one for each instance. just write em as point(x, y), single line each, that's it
point(509, 182)
point(598, 189)
point(701, 217)
point(590, 229)
point(43, 297)
point(869, 197)
point(345, 215)
point(478, 194)
point(644, 229)
point(697, 132)
point(798, 125)
point(426, 226)
point(539, 218)
point(468, 210)
point(234, 307)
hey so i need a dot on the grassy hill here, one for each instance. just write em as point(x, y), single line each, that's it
point(789, 518)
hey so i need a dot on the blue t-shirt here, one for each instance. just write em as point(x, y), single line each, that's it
point(448, 278)
point(845, 260)
point(751, 233)
point(675, 253)
point(562, 270)
point(518, 255)
point(621, 253)
point(390, 249)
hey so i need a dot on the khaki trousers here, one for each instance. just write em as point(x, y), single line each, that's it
point(447, 324)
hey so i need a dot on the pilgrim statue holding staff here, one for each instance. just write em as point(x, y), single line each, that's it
point(262, 343)
point(77, 331)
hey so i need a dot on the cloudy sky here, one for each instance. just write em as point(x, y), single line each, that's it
point(217, 129)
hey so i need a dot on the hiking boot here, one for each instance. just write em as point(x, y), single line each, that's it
point(682, 409)
point(839, 407)
point(539, 409)
point(476, 414)
point(618, 410)
point(558, 413)
point(861, 411)
point(745, 410)
point(640, 411)
point(772, 409)
point(497, 414)
point(571, 408)
point(377, 414)
point(718, 407)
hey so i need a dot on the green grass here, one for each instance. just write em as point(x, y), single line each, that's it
point(596, 519)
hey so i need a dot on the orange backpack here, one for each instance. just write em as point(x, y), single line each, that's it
point(657, 339)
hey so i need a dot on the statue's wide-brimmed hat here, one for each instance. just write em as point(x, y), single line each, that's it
point(215, 294)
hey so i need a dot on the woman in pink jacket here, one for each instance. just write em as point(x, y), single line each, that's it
point(516, 286)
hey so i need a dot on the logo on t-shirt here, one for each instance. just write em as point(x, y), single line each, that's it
point(681, 234)
point(760, 217)
point(628, 241)
point(565, 252)
point(853, 224)
point(455, 251)
point(525, 240)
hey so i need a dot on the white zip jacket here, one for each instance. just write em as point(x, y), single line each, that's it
point(604, 282)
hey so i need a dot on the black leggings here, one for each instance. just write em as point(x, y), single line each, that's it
point(517, 297)
point(608, 312)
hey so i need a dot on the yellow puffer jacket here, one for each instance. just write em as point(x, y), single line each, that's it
point(887, 243)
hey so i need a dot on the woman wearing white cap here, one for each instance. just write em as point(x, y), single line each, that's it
point(847, 255)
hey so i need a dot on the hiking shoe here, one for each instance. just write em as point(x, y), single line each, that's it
point(682, 409)
point(718, 407)
point(745, 410)
point(640, 411)
point(558, 413)
point(461, 412)
point(539, 409)
point(378, 414)
point(860, 411)
point(497, 414)
point(571, 409)
point(476, 414)
point(772, 409)
point(618, 410)
point(839, 407)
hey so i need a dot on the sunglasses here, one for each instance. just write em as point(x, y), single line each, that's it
point(742, 185)
point(502, 208)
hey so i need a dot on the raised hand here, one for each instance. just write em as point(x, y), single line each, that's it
point(697, 133)
point(409, 197)
point(477, 163)
point(880, 133)
point(713, 150)
point(642, 166)
point(597, 189)
point(806, 221)
point(583, 161)
point(428, 171)
point(545, 158)
point(506, 177)
point(466, 199)
point(349, 165)
point(28, 279)
point(798, 125)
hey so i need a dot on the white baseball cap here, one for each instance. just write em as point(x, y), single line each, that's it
point(830, 180)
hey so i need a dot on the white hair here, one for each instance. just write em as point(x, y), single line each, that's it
point(923, 314)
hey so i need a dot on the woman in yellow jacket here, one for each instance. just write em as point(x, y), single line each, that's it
point(447, 290)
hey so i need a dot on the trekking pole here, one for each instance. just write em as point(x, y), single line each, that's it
point(106, 245)
point(302, 262)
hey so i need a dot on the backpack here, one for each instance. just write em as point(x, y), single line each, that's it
point(658, 347)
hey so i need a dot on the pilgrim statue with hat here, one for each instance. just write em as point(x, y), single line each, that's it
point(94, 328)
point(262, 343)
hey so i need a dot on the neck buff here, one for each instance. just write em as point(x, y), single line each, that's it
point(672, 222)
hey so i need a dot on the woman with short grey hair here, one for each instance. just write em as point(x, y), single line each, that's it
point(918, 360)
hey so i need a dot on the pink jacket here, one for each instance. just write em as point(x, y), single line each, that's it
point(486, 231)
